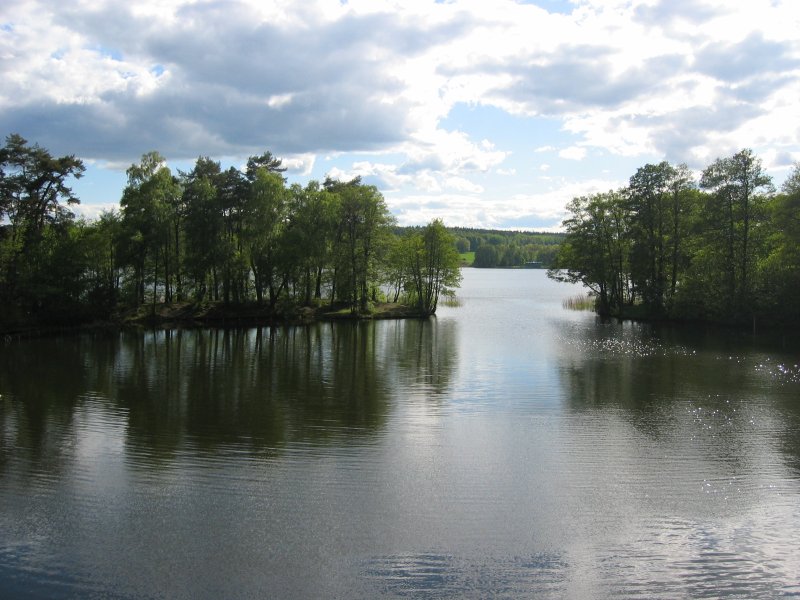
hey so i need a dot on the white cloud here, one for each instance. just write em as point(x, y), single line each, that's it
point(461, 184)
point(302, 164)
point(573, 153)
point(92, 212)
point(279, 100)
point(546, 209)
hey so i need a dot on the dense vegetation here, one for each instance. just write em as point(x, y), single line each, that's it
point(725, 248)
point(494, 248)
point(231, 237)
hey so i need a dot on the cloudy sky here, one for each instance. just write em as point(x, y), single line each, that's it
point(486, 114)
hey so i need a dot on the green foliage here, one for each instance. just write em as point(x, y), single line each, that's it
point(432, 264)
point(778, 272)
point(150, 209)
point(658, 197)
point(597, 248)
point(729, 251)
point(34, 201)
point(733, 215)
point(494, 248)
point(664, 249)
point(207, 235)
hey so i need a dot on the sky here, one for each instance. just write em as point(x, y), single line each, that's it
point(484, 114)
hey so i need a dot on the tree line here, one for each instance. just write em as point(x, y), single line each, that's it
point(724, 248)
point(495, 248)
point(208, 235)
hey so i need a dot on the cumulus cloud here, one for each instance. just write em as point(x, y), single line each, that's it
point(675, 79)
point(229, 81)
point(541, 211)
point(573, 153)
point(302, 164)
point(463, 185)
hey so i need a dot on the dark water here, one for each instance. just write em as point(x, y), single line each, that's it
point(508, 448)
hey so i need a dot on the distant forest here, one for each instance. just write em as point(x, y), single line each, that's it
point(494, 248)
point(725, 248)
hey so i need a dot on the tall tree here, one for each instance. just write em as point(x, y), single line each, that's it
point(204, 228)
point(34, 195)
point(362, 229)
point(263, 161)
point(739, 186)
point(780, 269)
point(657, 198)
point(234, 193)
point(99, 240)
point(596, 248)
point(146, 207)
point(433, 265)
point(310, 236)
point(264, 227)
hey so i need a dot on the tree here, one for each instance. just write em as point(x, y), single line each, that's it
point(433, 266)
point(204, 230)
point(98, 243)
point(264, 161)
point(234, 189)
point(486, 256)
point(147, 203)
point(310, 236)
point(596, 248)
point(656, 199)
point(779, 272)
point(264, 225)
point(34, 196)
point(739, 186)
point(362, 229)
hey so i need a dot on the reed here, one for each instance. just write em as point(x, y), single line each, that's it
point(581, 302)
point(451, 301)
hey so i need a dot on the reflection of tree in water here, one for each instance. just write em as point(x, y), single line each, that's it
point(424, 352)
point(681, 392)
point(42, 383)
point(146, 381)
point(188, 390)
point(262, 388)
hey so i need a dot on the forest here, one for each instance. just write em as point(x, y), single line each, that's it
point(724, 248)
point(493, 248)
point(233, 237)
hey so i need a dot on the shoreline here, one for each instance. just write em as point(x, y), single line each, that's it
point(215, 315)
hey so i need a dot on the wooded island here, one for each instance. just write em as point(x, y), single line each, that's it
point(240, 239)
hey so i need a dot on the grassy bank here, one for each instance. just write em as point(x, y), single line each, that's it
point(466, 258)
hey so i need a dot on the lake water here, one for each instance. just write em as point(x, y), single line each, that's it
point(507, 448)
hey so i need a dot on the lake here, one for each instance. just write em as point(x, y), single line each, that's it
point(507, 448)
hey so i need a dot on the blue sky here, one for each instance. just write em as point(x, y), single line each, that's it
point(484, 114)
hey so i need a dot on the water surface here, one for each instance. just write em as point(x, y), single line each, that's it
point(506, 448)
